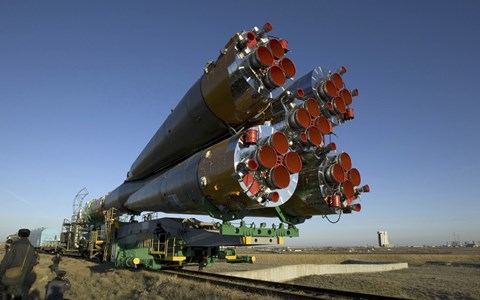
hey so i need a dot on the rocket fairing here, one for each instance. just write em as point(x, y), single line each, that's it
point(239, 143)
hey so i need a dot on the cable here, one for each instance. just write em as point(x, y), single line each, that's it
point(333, 222)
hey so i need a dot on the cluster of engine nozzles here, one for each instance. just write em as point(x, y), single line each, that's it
point(267, 59)
point(309, 124)
point(307, 121)
point(343, 180)
point(303, 127)
point(270, 165)
point(336, 97)
point(315, 117)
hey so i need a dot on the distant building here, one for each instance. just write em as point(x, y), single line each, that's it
point(383, 239)
point(472, 244)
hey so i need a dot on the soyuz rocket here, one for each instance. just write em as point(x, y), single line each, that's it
point(247, 140)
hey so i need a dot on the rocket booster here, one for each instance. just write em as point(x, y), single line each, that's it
point(234, 91)
point(247, 140)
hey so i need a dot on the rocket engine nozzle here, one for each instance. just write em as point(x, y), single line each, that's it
point(288, 67)
point(267, 27)
point(327, 90)
point(364, 189)
point(311, 105)
point(274, 77)
point(261, 58)
point(276, 47)
point(337, 80)
point(335, 174)
point(266, 156)
point(293, 162)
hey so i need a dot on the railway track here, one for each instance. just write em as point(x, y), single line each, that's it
point(276, 289)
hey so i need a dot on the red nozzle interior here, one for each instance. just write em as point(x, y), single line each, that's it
point(288, 67)
point(348, 190)
point(274, 197)
point(252, 164)
point(355, 92)
point(267, 156)
point(314, 136)
point(293, 162)
point(267, 27)
point(280, 177)
point(342, 70)
point(263, 56)
point(301, 118)
point(339, 105)
point(365, 189)
point(276, 76)
point(357, 207)
point(324, 125)
point(347, 96)
point(333, 146)
point(337, 80)
point(312, 106)
point(300, 93)
point(276, 48)
point(335, 173)
point(279, 141)
point(252, 185)
point(329, 88)
point(303, 137)
point(250, 36)
point(345, 160)
point(284, 44)
point(354, 176)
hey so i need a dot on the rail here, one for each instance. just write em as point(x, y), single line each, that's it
point(277, 289)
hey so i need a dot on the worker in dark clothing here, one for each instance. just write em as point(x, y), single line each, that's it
point(57, 287)
point(159, 230)
point(161, 235)
point(16, 267)
point(56, 261)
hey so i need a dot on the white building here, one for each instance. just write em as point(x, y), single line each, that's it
point(383, 238)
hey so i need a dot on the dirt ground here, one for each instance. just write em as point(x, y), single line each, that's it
point(416, 282)
point(432, 274)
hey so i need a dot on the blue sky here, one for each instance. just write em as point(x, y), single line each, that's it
point(84, 85)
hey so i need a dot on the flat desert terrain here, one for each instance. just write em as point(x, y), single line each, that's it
point(433, 273)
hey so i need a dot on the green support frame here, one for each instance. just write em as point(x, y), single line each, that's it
point(228, 228)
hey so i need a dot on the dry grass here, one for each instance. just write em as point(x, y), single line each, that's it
point(419, 282)
point(455, 275)
point(91, 280)
point(422, 280)
point(412, 259)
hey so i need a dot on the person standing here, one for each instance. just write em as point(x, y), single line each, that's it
point(56, 261)
point(17, 265)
